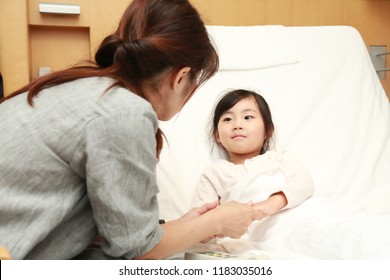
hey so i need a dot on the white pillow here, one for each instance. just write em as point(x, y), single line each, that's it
point(252, 47)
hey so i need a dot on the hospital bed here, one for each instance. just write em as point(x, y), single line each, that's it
point(329, 108)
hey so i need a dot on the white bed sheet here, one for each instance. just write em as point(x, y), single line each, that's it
point(330, 109)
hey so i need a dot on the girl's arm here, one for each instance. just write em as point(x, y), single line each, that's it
point(272, 204)
point(298, 187)
point(299, 184)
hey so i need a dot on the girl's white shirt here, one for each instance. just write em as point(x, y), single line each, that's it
point(284, 172)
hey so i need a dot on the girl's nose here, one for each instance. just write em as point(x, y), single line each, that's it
point(237, 125)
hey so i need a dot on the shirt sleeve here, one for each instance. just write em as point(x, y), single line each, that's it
point(205, 191)
point(121, 180)
point(299, 184)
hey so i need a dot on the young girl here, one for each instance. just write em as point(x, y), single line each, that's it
point(273, 180)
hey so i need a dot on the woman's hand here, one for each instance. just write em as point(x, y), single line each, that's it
point(235, 218)
point(231, 219)
point(196, 212)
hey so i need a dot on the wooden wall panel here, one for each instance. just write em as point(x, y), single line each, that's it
point(47, 44)
point(286, 12)
point(14, 58)
point(83, 32)
point(104, 20)
point(372, 19)
point(25, 36)
point(36, 18)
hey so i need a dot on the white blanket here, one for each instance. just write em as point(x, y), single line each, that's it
point(316, 229)
point(325, 230)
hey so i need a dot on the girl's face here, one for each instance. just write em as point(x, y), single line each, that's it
point(241, 130)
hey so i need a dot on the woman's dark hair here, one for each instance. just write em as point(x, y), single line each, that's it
point(232, 98)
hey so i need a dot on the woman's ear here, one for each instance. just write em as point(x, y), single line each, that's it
point(181, 77)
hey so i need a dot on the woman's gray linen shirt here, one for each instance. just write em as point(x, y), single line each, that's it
point(79, 162)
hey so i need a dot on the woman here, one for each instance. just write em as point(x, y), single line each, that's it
point(78, 147)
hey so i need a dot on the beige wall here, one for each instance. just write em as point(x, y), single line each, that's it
point(26, 37)
point(14, 59)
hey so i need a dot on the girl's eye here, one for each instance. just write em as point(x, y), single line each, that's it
point(227, 119)
point(248, 117)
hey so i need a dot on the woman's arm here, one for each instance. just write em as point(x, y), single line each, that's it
point(231, 219)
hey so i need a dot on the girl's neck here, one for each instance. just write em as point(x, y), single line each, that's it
point(241, 158)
